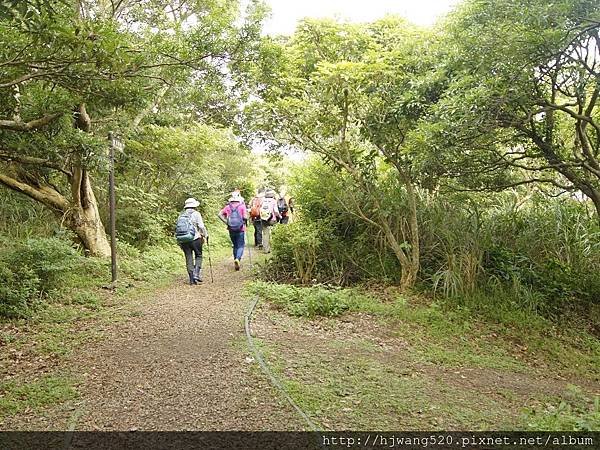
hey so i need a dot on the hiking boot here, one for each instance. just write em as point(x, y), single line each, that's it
point(236, 263)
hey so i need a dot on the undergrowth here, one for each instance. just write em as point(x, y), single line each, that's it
point(314, 301)
point(575, 412)
point(451, 331)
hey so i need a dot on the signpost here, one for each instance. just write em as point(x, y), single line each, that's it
point(114, 144)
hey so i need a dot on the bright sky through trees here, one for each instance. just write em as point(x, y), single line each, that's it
point(286, 13)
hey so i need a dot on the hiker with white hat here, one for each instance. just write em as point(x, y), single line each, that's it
point(235, 216)
point(269, 215)
point(191, 234)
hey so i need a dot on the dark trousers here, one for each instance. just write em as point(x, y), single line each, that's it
point(257, 232)
point(238, 241)
point(193, 257)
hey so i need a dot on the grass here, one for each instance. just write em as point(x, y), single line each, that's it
point(353, 383)
point(35, 395)
point(454, 334)
point(575, 412)
point(313, 301)
point(362, 393)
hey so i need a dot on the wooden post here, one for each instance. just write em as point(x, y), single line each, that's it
point(113, 144)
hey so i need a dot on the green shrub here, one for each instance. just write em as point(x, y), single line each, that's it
point(139, 227)
point(50, 259)
point(126, 250)
point(154, 263)
point(23, 217)
point(296, 249)
point(332, 245)
point(30, 271)
point(19, 292)
point(160, 261)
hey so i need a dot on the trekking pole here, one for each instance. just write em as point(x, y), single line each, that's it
point(209, 262)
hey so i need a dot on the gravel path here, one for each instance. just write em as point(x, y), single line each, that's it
point(181, 364)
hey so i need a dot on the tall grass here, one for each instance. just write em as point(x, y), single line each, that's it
point(22, 218)
point(544, 252)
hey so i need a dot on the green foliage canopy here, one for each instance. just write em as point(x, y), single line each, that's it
point(521, 102)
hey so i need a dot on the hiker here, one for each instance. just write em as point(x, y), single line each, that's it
point(255, 205)
point(283, 208)
point(235, 216)
point(269, 215)
point(191, 233)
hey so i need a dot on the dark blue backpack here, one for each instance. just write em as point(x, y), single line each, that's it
point(185, 231)
point(235, 221)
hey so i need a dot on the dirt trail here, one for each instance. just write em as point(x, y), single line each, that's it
point(181, 364)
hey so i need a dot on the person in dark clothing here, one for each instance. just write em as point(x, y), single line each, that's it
point(193, 249)
point(254, 208)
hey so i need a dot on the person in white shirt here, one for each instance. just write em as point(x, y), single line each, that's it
point(193, 249)
point(269, 216)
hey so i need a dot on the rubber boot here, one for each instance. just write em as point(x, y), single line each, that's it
point(191, 275)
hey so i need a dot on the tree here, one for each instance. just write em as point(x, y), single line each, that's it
point(71, 70)
point(351, 94)
point(522, 102)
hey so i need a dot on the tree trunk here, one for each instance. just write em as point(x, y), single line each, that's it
point(82, 218)
point(85, 217)
point(409, 266)
point(413, 224)
point(408, 276)
point(595, 197)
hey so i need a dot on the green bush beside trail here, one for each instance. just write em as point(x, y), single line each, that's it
point(36, 272)
point(30, 272)
point(525, 251)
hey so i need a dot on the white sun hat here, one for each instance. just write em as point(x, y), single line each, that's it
point(236, 197)
point(191, 203)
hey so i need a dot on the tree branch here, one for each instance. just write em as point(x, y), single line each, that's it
point(144, 112)
point(28, 126)
point(22, 78)
point(42, 194)
point(34, 161)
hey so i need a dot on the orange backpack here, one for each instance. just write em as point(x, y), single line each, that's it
point(255, 209)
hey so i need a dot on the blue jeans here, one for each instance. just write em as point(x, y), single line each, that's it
point(238, 241)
